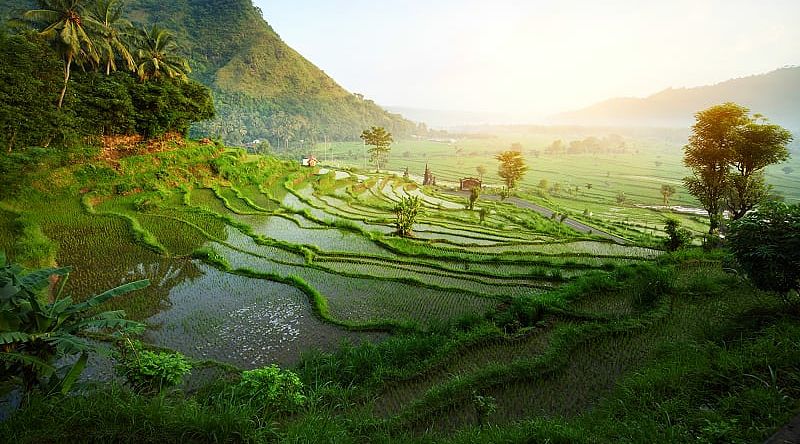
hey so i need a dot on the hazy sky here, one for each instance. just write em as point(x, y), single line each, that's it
point(534, 57)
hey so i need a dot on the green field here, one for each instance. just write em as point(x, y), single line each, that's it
point(652, 159)
point(255, 261)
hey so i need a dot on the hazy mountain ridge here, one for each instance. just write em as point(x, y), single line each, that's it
point(775, 94)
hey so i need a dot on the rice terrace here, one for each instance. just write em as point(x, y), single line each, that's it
point(215, 242)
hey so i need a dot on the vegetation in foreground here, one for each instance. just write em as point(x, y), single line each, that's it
point(701, 336)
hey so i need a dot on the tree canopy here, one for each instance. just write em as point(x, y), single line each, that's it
point(102, 101)
point(727, 150)
point(766, 242)
point(512, 167)
point(380, 140)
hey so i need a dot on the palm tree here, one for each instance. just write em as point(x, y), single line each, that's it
point(108, 13)
point(65, 24)
point(156, 55)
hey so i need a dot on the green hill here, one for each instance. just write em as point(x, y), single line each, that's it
point(262, 88)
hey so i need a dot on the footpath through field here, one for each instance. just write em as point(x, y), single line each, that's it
point(548, 213)
point(787, 435)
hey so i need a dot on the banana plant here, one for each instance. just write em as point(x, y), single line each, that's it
point(38, 326)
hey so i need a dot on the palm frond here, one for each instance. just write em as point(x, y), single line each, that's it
point(9, 337)
point(39, 365)
point(39, 279)
point(102, 297)
point(74, 373)
point(67, 344)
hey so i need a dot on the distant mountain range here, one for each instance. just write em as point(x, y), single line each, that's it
point(775, 95)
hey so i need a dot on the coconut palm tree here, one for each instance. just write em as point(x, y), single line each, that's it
point(110, 43)
point(69, 28)
point(156, 55)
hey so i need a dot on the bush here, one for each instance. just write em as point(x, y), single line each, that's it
point(271, 389)
point(677, 237)
point(152, 372)
point(766, 242)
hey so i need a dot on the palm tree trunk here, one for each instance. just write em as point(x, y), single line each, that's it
point(13, 139)
point(67, 66)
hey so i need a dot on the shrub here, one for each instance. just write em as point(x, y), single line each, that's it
point(766, 242)
point(271, 389)
point(406, 212)
point(152, 372)
point(677, 237)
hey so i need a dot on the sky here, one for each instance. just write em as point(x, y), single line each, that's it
point(536, 57)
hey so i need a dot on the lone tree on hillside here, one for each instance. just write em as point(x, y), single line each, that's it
point(381, 140)
point(726, 137)
point(406, 212)
point(512, 167)
point(667, 191)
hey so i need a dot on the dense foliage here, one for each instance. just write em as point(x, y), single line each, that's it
point(149, 371)
point(95, 100)
point(727, 153)
point(38, 326)
point(512, 167)
point(766, 242)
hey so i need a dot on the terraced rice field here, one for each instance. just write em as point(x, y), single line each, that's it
point(294, 262)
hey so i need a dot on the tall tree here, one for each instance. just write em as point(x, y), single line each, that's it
point(708, 155)
point(727, 153)
point(380, 140)
point(666, 192)
point(156, 55)
point(66, 25)
point(759, 144)
point(110, 43)
point(512, 167)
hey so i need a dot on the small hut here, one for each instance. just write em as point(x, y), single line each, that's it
point(308, 161)
point(468, 183)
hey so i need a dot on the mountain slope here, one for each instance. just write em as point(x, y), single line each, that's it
point(775, 95)
point(263, 89)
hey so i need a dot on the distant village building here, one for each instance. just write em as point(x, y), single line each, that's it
point(308, 161)
point(468, 183)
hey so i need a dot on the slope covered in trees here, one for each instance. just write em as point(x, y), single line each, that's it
point(262, 88)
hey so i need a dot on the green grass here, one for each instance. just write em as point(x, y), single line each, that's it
point(575, 339)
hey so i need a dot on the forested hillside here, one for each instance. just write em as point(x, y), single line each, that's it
point(262, 88)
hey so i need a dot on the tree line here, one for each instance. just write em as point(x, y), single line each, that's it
point(129, 80)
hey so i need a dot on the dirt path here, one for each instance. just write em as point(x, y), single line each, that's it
point(787, 435)
point(548, 213)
